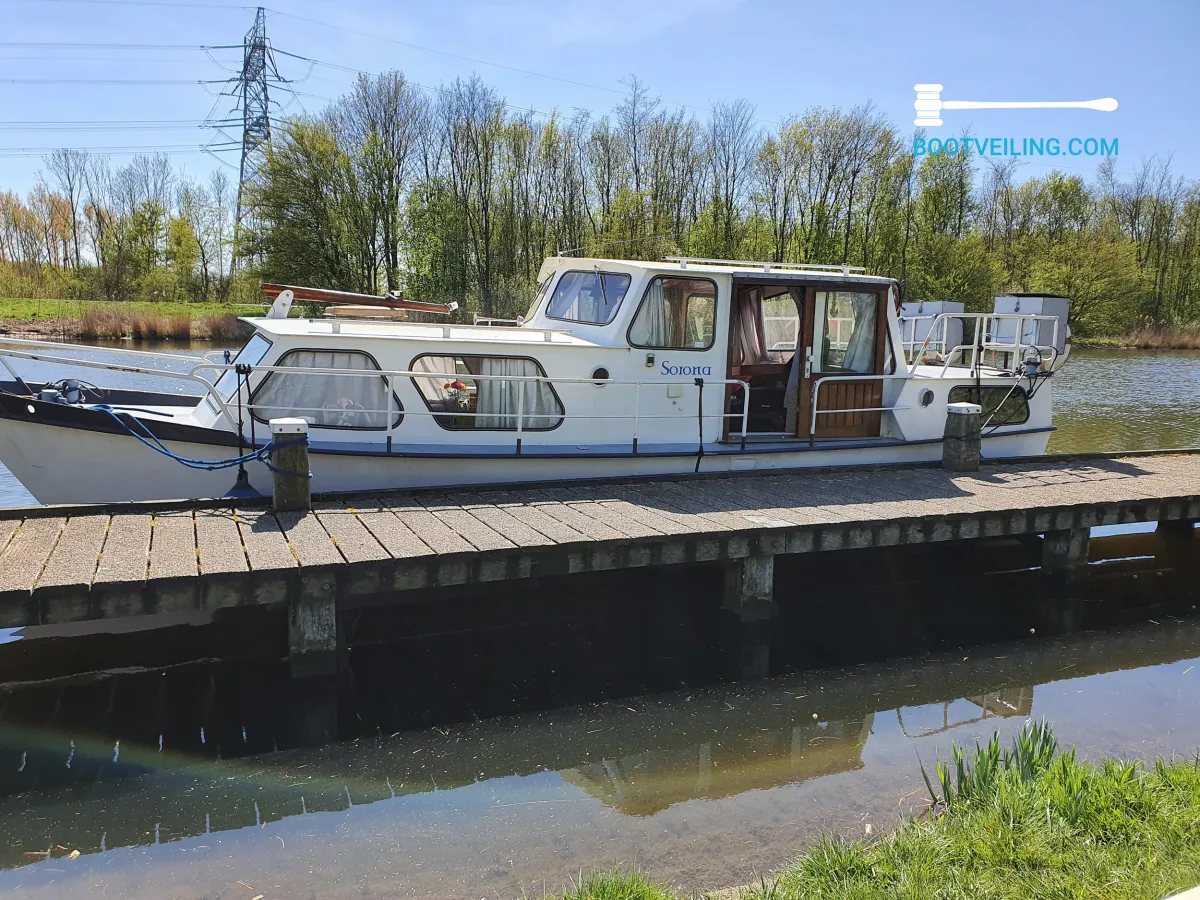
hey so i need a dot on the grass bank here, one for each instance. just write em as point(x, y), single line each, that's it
point(91, 320)
point(1184, 337)
point(1031, 820)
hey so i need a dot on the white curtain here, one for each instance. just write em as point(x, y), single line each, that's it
point(326, 401)
point(433, 389)
point(750, 318)
point(650, 328)
point(860, 349)
point(498, 400)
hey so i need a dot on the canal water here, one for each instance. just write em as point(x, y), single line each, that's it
point(509, 758)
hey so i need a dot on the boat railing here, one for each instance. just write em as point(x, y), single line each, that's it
point(910, 342)
point(519, 416)
point(997, 333)
point(823, 380)
point(208, 388)
point(226, 406)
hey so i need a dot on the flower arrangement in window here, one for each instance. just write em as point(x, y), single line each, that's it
point(458, 393)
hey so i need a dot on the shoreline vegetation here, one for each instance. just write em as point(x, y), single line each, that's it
point(107, 320)
point(166, 320)
point(1030, 820)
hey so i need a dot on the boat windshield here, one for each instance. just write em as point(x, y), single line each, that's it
point(590, 298)
point(251, 355)
point(537, 298)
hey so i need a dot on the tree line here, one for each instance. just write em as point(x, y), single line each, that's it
point(142, 231)
point(454, 194)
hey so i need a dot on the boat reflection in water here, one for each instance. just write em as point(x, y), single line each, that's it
point(70, 788)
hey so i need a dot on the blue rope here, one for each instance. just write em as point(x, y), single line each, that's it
point(147, 437)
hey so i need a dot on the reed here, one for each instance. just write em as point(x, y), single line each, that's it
point(217, 328)
point(1183, 338)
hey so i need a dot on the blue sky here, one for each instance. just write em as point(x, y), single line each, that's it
point(782, 56)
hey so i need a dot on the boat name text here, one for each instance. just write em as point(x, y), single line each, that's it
point(668, 369)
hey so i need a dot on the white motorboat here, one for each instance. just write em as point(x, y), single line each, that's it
point(621, 368)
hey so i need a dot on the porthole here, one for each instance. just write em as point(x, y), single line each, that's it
point(599, 376)
point(925, 397)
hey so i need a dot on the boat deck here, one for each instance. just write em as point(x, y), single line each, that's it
point(64, 564)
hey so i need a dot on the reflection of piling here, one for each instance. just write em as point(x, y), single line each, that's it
point(663, 750)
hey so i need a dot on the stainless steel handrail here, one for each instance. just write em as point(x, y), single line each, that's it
point(221, 404)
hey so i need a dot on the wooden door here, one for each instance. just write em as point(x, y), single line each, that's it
point(837, 348)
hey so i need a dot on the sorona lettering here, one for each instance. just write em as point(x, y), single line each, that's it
point(668, 369)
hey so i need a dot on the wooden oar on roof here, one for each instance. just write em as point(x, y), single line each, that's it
point(342, 298)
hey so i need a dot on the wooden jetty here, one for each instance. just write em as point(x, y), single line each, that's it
point(69, 564)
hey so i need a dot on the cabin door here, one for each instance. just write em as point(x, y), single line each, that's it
point(844, 332)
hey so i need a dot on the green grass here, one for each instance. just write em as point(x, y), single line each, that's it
point(1031, 820)
point(615, 885)
point(37, 310)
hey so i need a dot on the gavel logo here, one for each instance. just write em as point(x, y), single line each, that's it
point(929, 104)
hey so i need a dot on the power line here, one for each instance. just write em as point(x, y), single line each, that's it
point(147, 3)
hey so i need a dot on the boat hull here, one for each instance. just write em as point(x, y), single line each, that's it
point(60, 465)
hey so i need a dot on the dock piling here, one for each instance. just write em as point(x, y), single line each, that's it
point(1065, 553)
point(961, 439)
point(289, 465)
point(1064, 564)
point(312, 634)
point(750, 595)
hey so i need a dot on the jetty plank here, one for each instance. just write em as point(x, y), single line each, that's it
point(308, 540)
point(393, 535)
point(173, 545)
point(77, 552)
point(521, 508)
point(439, 536)
point(266, 545)
point(26, 553)
point(125, 555)
point(355, 542)
point(219, 542)
point(554, 529)
point(500, 521)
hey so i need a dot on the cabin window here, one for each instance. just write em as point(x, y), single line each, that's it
point(1000, 405)
point(464, 398)
point(590, 298)
point(846, 328)
point(537, 297)
point(676, 314)
point(251, 355)
point(356, 402)
point(781, 326)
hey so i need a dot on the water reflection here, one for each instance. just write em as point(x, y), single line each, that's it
point(660, 779)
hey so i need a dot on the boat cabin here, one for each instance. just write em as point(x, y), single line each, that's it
point(610, 352)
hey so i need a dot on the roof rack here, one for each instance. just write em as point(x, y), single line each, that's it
point(765, 266)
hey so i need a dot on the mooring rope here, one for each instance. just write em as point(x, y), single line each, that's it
point(147, 437)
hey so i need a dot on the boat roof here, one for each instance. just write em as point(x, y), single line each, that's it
point(424, 331)
point(737, 268)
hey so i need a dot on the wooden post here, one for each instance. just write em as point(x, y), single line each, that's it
point(289, 462)
point(960, 444)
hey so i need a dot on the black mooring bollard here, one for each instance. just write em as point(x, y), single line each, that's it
point(289, 464)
